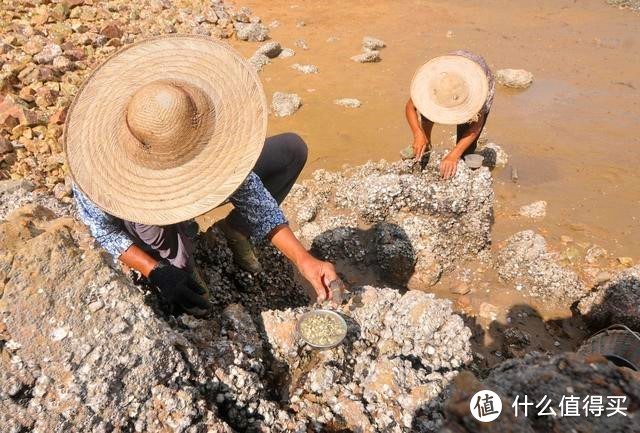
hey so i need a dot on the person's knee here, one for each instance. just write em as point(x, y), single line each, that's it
point(297, 147)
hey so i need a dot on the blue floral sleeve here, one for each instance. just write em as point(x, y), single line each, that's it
point(258, 207)
point(105, 228)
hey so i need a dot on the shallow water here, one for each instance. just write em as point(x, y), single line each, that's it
point(573, 135)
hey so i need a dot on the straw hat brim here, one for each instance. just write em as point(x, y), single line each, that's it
point(160, 195)
point(426, 84)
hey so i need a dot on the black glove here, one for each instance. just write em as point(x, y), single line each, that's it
point(178, 287)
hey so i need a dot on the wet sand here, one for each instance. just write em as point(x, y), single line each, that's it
point(573, 135)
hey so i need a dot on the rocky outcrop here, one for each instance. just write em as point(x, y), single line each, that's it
point(390, 375)
point(83, 348)
point(396, 219)
point(614, 302)
point(533, 269)
point(548, 380)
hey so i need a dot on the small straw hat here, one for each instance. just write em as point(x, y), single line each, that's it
point(166, 129)
point(449, 90)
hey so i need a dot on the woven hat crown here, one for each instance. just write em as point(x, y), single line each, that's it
point(169, 122)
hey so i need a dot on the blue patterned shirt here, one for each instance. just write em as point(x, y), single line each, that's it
point(251, 199)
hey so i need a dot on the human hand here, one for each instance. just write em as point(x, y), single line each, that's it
point(449, 166)
point(420, 145)
point(320, 274)
point(178, 287)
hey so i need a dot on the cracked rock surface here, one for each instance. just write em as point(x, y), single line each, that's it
point(526, 261)
point(395, 218)
point(551, 378)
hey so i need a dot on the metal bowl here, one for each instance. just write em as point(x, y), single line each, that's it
point(474, 160)
point(322, 312)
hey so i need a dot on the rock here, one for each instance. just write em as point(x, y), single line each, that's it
point(285, 104)
point(625, 261)
point(13, 114)
point(160, 372)
point(515, 342)
point(372, 369)
point(286, 52)
point(494, 155)
point(488, 311)
point(258, 61)
point(348, 102)
point(305, 69)
point(536, 209)
point(112, 30)
point(572, 375)
point(5, 146)
point(515, 78)
point(270, 49)
point(47, 54)
point(371, 43)
point(391, 210)
point(252, 32)
point(526, 262)
point(595, 253)
point(301, 43)
point(59, 117)
point(372, 56)
point(62, 64)
point(616, 301)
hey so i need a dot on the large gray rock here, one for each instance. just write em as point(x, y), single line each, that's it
point(544, 379)
point(527, 263)
point(392, 372)
point(382, 213)
point(614, 302)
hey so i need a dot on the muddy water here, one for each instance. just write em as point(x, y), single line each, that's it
point(573, 136)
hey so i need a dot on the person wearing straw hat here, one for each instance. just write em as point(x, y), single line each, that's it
point(456, 89)
point(166, 130)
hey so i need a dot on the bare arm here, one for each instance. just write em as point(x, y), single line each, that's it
point(449, 164)
point(319, 273)
point(421, 130)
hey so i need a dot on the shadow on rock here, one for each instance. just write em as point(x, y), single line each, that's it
point(381, 255)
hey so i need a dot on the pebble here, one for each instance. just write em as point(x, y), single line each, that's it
point(535, 210)
point(372, 56)
point(252, 32)
point(514, 78)
point(286, 52)
point(305, 69)
point(348, 102)
point(285, 104)
point(301, 43)
point(270, 49)
point(371, 43)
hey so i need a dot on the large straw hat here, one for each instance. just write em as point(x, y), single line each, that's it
point(449, 89)
point(166, 129)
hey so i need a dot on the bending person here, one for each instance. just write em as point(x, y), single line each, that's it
point(456, 89)
point(153, 141)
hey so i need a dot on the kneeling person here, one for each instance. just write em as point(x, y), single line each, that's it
point(149, 154)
